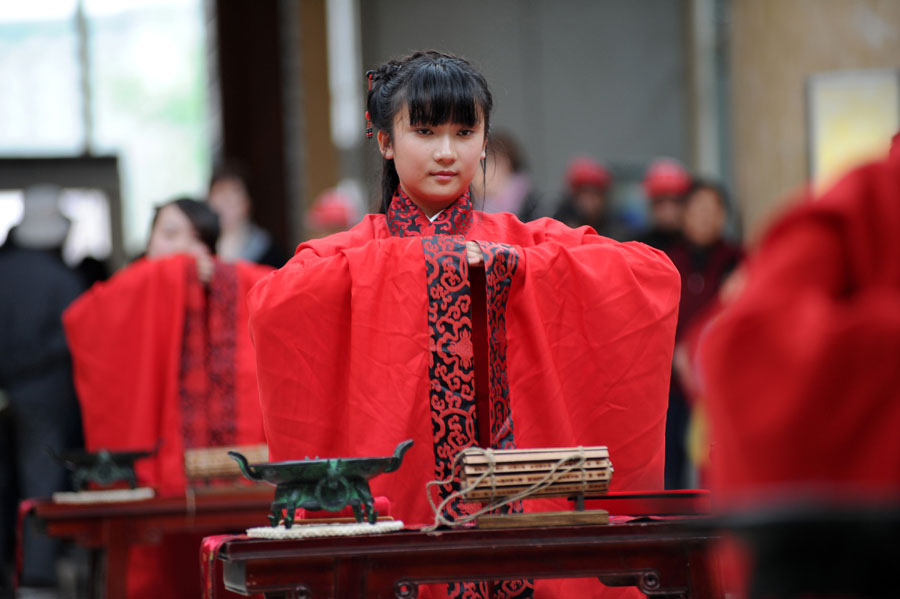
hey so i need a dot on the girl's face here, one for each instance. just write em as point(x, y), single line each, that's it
point(173, 233)
point(435, 163)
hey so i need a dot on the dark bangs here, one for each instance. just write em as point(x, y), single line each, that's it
point(444, 93)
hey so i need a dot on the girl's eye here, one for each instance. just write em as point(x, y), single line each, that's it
point(465, 132)
point(423, 131)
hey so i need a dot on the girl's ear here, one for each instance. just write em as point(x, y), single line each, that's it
point(384, 144)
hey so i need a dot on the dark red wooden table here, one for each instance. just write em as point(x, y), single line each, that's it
point(113, 527)
point(662, 558)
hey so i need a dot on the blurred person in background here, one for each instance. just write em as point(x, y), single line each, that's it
point(506, 185)
point(587, 200)
point(801, 380)
point(332, 211)
point(665, 183)
point(240, 238)
point(162, 355)
point(185, 226)
point(704, 260)
point(38, 408)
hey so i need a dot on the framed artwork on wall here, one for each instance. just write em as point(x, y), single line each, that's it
point(851, 117)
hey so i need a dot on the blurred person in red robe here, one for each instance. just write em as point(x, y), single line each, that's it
point(366, 338)
point(162, 355)
point(801, 380)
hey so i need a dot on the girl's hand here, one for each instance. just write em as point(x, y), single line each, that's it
point(206, 264)
point(474, 255)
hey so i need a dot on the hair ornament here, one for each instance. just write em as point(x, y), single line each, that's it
point(369, 129)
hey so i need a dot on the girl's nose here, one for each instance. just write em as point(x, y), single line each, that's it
point(444, 152)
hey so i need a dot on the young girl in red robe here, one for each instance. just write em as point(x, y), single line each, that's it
point(162, 357)
point(365, 338)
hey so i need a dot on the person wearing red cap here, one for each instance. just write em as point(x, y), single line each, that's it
point(586, 202)
point(665, 184)
point(333, 211)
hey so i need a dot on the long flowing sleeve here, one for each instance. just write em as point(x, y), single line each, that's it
point(590, 328)
point(598, 317)
point(342, 357)
point(125, 339)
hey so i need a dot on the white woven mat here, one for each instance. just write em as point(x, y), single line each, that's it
point(305, 531)
point(104, 496)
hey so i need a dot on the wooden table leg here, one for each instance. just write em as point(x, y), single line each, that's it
point(350, 578)
point(96, 571)
point(117, 548)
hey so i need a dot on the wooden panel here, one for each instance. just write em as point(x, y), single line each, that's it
point(320, 156)
point(776, 45)
point(252, 109)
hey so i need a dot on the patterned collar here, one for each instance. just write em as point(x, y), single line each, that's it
point(405, 219)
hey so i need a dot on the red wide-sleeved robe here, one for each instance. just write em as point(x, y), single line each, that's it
point(160, 358)
point(364, 339)
point(802, 371)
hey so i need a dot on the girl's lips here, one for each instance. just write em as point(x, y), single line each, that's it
point(444, 176)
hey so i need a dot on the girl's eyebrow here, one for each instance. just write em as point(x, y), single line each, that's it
point(424, 123)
